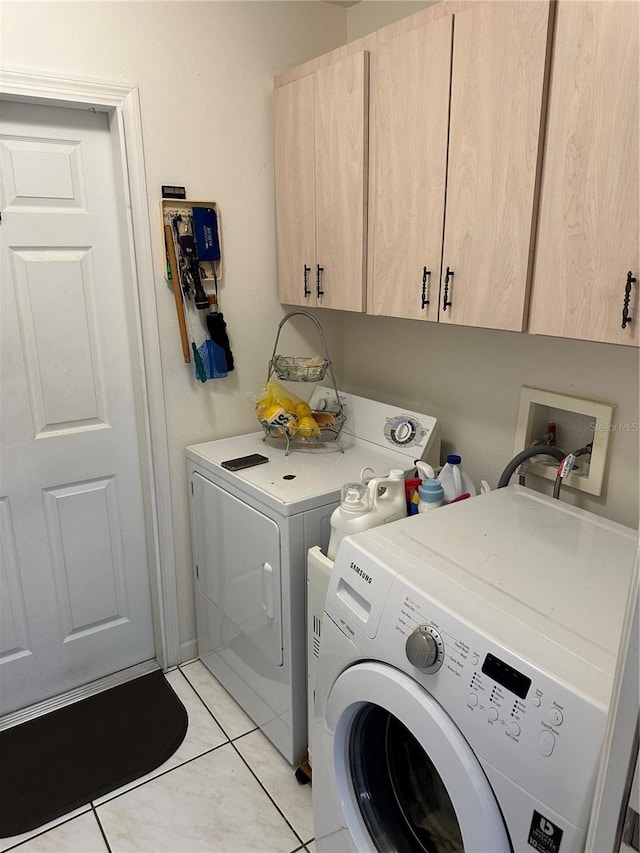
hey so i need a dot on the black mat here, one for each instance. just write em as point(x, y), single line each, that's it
point(64, 759)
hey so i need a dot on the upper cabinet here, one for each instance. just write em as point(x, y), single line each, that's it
point(587, 253)
point(497, 87)
point(454, 181)
point(409, 98)
point(321, 125)
point(295, 190)
point(502, 159)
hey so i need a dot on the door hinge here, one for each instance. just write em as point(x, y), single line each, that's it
point(192, 487)
point(197, 572)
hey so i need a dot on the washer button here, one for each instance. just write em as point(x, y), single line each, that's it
point(554, 715)
point(536, 701)
point(493, 714)
point(513, 729)
point(474, 660)
point(546, 743)
point(472, 700)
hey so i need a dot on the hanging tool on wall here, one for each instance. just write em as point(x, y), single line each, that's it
point(218, 332)
point(205, 231)
point(188, 249)
point(191, 231)
point(198, 364)
point(177, 291)
point(182, 288)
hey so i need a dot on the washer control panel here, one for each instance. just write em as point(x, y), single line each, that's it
point(504, 696)
point(425, 648)
point(516, 716)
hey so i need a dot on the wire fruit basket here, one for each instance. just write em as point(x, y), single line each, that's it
point(328, 423)
point(292, 368)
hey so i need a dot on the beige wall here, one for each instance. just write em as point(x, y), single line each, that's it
point(369, 15)
point(470, 379)
point(205, 73)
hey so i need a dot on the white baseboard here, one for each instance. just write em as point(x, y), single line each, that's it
point(188, 650)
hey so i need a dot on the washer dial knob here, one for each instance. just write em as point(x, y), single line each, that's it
point(424, 648)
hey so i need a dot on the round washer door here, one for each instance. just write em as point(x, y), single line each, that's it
point(407, 779)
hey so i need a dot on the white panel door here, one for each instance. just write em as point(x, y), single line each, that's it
point(74, 584)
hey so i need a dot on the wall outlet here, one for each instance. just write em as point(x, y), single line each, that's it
point(578, 422)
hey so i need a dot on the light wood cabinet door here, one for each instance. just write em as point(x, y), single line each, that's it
point(588, 223)
point(341, 131)
point(320, 129)
point(295, 190)
point(409, 99)
point(498, 78)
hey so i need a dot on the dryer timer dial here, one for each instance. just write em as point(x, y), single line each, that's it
point(425, 649)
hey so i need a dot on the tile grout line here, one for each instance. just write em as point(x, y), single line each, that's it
point(232, 743)
point(276, 806)
point(93, 807)
point(36, 834)
point(213, 716)
point(104, 834)
point(160, 775)
point(186, 761)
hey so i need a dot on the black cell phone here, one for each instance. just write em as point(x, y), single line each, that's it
point(244, 462)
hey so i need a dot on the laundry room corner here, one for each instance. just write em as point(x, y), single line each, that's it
point(207, 125)
point(471, 379)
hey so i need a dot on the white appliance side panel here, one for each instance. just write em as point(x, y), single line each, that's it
point(319, 568)
point(238, 569)
point(317, 526)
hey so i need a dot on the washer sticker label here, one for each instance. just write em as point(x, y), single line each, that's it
point(544, 835)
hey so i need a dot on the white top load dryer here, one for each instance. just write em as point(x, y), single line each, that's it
point(251, 530)
point(465, 672)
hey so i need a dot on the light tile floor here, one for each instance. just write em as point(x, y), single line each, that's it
point(225, 789)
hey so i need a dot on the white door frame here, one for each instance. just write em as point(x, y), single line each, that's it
point(123, 107)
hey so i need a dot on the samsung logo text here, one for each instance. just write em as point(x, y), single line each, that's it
point(358, 570)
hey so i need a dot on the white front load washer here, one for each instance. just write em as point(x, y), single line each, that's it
point(251, 530)
point(464, 677)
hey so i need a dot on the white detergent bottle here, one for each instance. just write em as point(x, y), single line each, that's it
point(353, 515)
point(454, 481)
point(388, 499)
point(364, 506)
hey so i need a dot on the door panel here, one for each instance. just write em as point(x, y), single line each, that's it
point(14, 639)
point(90, 584)
point(410, 113)
point(499, 61)
point(75, 584)
point(41, 173)
point(341, 121)
point(588, 223)
point(56, 291)
point(238, 560)
point(295, 190)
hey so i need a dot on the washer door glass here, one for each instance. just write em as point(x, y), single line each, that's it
point(405, 777)
point(402, 798)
